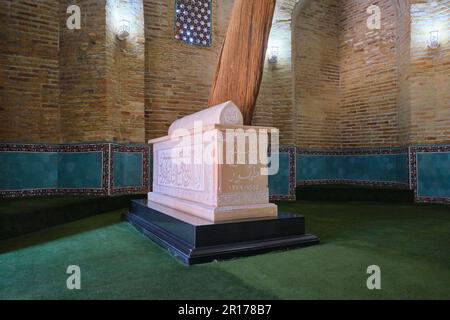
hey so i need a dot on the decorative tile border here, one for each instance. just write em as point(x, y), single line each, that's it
point(107, 187)
point(379, 184)
point(43, 148)
point(291, 151)
point(145, 151)
point(354, 152)
point(17, 147)
point(150, 169)
point(107, 150)
point(413, 152)
point(104, 148)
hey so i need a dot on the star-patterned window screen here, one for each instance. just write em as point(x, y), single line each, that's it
point(193, 22)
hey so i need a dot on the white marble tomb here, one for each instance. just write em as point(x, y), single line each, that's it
point(193, 172)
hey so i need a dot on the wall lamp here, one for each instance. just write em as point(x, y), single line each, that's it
point(433, 42)
point(123, 31)
point(273, 57)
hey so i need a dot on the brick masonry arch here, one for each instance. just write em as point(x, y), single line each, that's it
point(284, 23)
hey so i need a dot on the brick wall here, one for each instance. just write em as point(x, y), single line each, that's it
point(275, 105)
point(393, 90)
point(179, 76)
point(371, 67)
point(102, 78)
point(368, 76)
point(60, 85)
point(175, 88)
point(429, 74)
point(403, 68)
point(85, 115)
point(125, 67)
point(29, 72)
point(317, 74)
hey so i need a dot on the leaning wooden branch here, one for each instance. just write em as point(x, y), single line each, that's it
point(241, 62)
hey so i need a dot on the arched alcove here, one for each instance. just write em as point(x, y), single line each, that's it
point(349, 82)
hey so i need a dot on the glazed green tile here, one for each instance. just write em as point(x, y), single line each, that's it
point(26, 170)
point(80, 170)
point(375, 168)
point(127, 169)
point(279, 183)
point(433, 173)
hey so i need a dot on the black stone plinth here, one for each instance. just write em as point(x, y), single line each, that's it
point(195, 241)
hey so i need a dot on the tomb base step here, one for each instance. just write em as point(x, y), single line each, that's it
point(213, 214)
point(193, 240)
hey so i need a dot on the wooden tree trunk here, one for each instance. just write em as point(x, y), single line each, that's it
point(241, 62)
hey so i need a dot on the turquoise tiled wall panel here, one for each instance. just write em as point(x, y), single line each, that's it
point(81, 170)
point(94, 169)
point(379, 168)
point(279, 184)
point(370, 168)
point(128, 169)
point(433, 174)
point(319, 168)
point(27, 170)
point(33, 169)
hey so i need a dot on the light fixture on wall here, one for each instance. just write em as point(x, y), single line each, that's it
point(123, 31)
point(433, 42)
point(273, 57)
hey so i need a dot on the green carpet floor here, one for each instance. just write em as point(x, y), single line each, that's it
point(410, 243)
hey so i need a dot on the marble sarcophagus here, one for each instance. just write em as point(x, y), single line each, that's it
point(207, 167)
point(210, 197)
